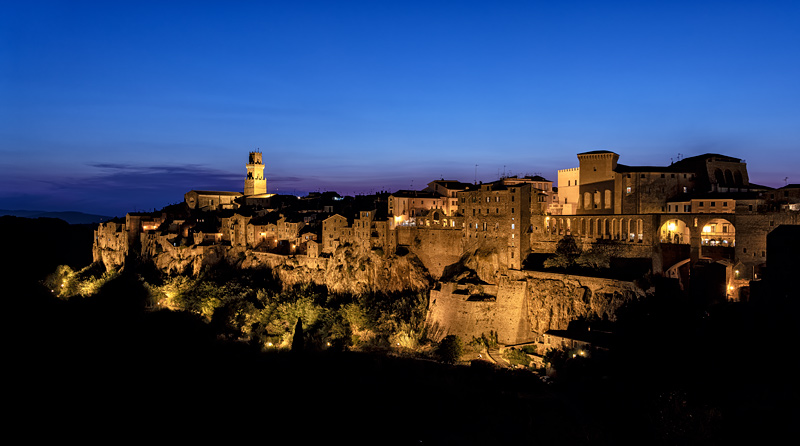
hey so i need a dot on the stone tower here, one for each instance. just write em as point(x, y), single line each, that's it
point(255, 183)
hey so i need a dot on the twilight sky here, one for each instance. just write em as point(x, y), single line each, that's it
point(113, 106)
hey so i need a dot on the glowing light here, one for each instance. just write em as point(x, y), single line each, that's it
point(706, 228)
point(671, 226)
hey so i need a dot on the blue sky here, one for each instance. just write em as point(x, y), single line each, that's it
point(108, 107)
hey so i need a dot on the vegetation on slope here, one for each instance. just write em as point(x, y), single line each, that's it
point(252, 306)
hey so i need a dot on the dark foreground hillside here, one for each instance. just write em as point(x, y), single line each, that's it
point(103, 369)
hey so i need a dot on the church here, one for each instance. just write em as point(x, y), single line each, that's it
point(255, 190)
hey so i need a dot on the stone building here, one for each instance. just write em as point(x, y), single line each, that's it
point(211, 200)
point(405, 205)
point(498, 215)
point(255, 189)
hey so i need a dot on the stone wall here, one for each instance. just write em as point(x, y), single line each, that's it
point(527, 304)
point(751, 238)
point(436, 248)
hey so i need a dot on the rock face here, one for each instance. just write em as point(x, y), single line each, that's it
point(351, 269)
point(553, 300)
point(527, 304)
point(477, 294)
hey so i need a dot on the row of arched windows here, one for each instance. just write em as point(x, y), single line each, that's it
point(622, 229)
point(728, 178)
point(593, 201)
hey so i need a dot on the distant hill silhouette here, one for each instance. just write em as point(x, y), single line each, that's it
point(33, 247)
point(71, 217)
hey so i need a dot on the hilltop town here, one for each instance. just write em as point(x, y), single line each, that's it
point(495, 256)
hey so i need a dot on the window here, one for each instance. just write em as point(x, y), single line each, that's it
point(684, 189)
point(663, 175)
point(642, 176)
point(713, 204)
point(512, 225)
point(628, 190)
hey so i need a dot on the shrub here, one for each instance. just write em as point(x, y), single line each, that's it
point(529, 349)
point(450, 349)
point(517, 357)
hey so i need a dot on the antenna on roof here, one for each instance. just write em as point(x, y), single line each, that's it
point(786, 181)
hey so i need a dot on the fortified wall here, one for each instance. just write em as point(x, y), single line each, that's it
point(524, 305)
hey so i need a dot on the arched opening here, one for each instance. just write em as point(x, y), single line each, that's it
point(737, 178)
point(674, 232)
point(718, 232)
point(718, 239)
point(640, 230)
point(719, 177)
point(674, 235)
point(728, 178)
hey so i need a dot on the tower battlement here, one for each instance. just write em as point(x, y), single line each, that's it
point(255, 158)
point(254, 182)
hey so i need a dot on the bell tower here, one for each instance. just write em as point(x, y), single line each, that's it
point(255, 183)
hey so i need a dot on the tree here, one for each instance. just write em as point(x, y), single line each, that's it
point(450, 349)
point(567, 252)
point(297, 340)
